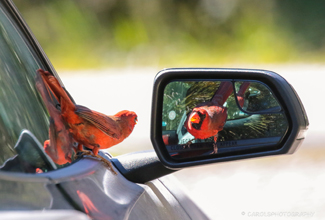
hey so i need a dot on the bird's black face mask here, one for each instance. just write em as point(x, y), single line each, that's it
point(197, 126)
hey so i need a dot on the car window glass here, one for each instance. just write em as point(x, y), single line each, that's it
point(23, 116)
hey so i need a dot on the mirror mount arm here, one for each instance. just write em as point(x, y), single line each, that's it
point(141, 167)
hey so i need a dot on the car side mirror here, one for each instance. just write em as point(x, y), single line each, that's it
point(202, 116)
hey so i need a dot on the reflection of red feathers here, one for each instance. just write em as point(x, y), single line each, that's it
point(87, 127)
point(241, 92)
point(60, 149)
point(208, 118)
point(165, 139)
point(87, 203)
point(90, 209)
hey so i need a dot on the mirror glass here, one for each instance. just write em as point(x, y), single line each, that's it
point(203, 118)
point(255, 96)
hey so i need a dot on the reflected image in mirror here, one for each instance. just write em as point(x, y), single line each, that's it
point(256, 97)
point(202, 118)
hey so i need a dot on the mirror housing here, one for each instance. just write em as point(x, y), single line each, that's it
point(201, 81)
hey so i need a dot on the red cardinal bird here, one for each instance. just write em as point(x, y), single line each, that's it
point(90, 128)
point(208, 118)
point(59, 147)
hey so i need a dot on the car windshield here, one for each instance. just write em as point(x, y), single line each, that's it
point(23, 116)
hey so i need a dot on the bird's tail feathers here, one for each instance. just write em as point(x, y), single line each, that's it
point(55, 87)
point(223, 92)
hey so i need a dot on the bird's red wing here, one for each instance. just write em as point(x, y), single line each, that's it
point(101, 121)
point(219, 117)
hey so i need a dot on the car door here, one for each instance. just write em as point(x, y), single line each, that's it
point(23, 121)
point(29, 180)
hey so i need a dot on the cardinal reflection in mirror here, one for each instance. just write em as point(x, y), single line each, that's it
point(212, 118)
point(208, 118)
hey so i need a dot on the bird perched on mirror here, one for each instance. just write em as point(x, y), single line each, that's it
point(89, 128)
point(208, 118)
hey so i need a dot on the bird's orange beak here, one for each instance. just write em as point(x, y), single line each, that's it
point(195, 118)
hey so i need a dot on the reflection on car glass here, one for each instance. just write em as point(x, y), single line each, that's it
point(205, 117)
point(30, 157)
point(20, 104)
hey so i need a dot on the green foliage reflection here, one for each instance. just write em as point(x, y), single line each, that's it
point(180, 97)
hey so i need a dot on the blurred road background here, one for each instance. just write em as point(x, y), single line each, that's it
point(107, 53)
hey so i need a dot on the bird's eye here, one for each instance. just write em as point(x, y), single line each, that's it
point(136, 119)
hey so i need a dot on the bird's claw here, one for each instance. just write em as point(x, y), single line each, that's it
point(215, 149)
point(105, 161)
point(187, 145)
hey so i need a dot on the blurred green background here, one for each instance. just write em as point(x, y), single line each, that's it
point(118, 33)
